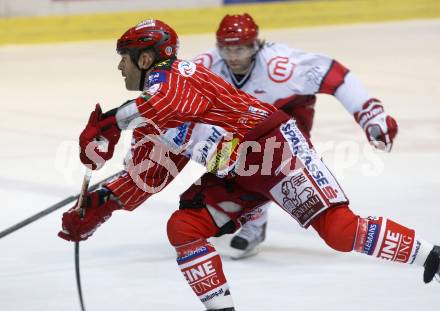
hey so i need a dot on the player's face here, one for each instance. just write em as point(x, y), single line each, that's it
point(238, 57)
point(130, 72)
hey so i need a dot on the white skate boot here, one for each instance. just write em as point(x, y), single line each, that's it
point(246, 242)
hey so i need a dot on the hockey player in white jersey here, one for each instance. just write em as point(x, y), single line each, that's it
point(273, 73)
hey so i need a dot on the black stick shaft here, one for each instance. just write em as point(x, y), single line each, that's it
point(50, 209)
point(78, 277)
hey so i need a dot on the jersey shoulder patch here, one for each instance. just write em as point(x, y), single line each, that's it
point(186, 68)
point(156, 77)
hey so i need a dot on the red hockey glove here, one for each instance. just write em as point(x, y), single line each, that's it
point(100, 128)
point(99, 207)
point(380, 128)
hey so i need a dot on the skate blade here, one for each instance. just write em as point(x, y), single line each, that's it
point(239, 254)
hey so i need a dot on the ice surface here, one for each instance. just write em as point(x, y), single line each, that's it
point(46, 95)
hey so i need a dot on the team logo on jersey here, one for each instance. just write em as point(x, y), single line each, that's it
point(280, 69)
point(186, 68)
point(205, 60)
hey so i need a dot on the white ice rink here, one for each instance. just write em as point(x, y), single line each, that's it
point(46, 95)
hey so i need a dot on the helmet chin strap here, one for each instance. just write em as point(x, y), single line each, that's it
point(144, 72)
point(142, 79)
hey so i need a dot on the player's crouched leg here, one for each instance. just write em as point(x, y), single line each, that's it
point(344, 231)
point(197, 259)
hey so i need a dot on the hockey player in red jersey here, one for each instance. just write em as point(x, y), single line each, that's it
point(274, 73)
point(254, 153)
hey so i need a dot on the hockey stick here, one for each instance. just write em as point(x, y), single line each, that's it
point(52, 208)
point(81, 210)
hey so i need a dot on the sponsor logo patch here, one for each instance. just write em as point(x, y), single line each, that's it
point(217, 293)
point(146, 23)
point(157, 77)
point(186, 68)
point(202, 278)
point(152, 89)
point(182, 131)
point(397, 244)
point(416, 252)
point(308, 157)
point(221, 160)
point(258, 111)
point(201, 155)
point(373, 230)
point(298, 196)
point(193, 254)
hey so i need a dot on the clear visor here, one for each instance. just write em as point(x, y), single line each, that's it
point(237, 52)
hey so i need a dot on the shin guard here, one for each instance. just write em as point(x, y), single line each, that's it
point(202, 268)
point(386, 239)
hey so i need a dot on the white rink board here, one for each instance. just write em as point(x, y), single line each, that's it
point(10, 8)
point(46, 95)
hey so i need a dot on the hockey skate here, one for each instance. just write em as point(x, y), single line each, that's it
point(432, 265)
point(246, 242)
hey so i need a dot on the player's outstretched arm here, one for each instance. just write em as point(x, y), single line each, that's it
point(379, 127)
point(126, 192)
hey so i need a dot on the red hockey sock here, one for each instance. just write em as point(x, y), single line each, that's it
point(202, 268)
point(344, 231)
point(386, 239)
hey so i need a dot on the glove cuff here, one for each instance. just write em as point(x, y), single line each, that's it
point(108, 200)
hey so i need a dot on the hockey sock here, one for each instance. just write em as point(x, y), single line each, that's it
point(383, 238)
point(202, 268)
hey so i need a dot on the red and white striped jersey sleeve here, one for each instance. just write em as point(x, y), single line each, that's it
point(145, 176)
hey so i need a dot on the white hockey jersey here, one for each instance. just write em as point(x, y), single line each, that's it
point(280, 72)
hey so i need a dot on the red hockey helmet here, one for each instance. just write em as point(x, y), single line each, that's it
point(237, 30)
point(150, 33)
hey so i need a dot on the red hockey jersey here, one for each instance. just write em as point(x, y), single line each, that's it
point(181, 94)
